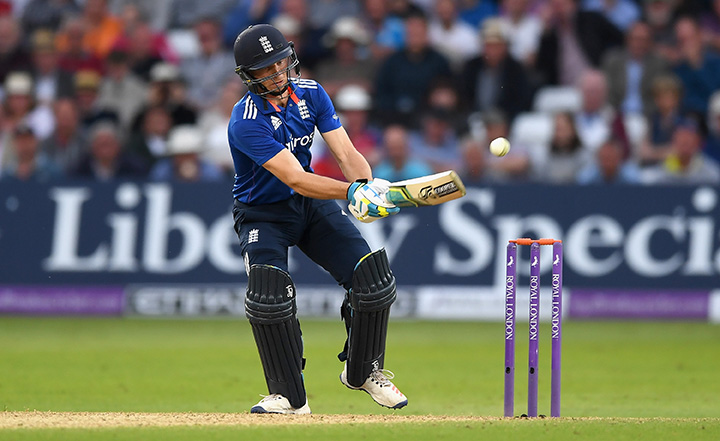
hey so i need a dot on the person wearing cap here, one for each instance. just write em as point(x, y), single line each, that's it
point(107, 160)
point(685, 164)
point(121, 90)
point(30, 164)
point(495, 80)
point(350, 62)
point(87, 92)
point(21, 107)
point(167, 89)
point(184, 163)
point(51, 82)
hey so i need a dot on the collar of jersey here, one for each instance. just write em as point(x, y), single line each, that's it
point(265, 107)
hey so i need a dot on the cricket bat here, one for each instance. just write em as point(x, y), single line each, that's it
point(427, 190)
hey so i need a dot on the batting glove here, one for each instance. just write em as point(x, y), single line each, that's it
point(368, 200)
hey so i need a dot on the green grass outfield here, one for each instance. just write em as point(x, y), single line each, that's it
point(621, 380)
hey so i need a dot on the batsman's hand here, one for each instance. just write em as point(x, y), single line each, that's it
point(368, 200)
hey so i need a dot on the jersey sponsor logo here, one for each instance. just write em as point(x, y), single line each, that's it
point(250, 111)
point(306, 84)
point(302, 107)
point(266, 45)
point(253, 235)
point(276, 122)
point(303, 141)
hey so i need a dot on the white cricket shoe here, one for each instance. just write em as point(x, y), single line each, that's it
point(380, 388)
point(276, 403)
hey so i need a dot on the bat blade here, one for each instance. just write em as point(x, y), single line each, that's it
point(427, 190)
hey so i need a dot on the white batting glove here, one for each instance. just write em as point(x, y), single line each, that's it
point(368, 200)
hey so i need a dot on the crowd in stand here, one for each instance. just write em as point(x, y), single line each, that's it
point(587, 91)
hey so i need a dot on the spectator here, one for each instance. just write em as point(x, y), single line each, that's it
point(398, 164)
point(712, 143)
point(70, 44)
point(121, 91)
point(596, 120)
point(12, 55)
point(572, 42)
point(353, 104)
point(347, 37)
point(167, 89)
point(561, 160)
point(185, 143)
point(324, 13)
point(102, 28)
point(710, 25)
point(475, 12)
point(609, 167)
point(206, 73)
point(388, 32)
point(660, 16)
point(150, 143)
point(30, 164)
point(187, 13)
point(67, 143)
point(443, 95)
point(106, 160)
point(631, 70)
point(452, 37)
point(666, 115)
point(522, 29)
point(50, 81)
point(516, 164)
point(214, 125)
point(247, 12)
point(20, 106)
point(686, 164)
point(406, 75)
point(436, 142)
point(474, 169)
point(621, 13)
point(157, 10)
point(144, 47)
point(87, 87)
point(47, 14)
point(495, 80)
point(698, 69)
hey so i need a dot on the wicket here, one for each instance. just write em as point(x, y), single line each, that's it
point(534, 325)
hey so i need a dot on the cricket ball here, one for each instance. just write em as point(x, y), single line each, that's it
point(499, 146)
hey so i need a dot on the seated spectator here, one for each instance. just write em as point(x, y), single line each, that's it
point(572, 42)
point(621, 13)
point(347, 65)
point(387, 31)
point(185, 143)
point(597, 120)
point(474, 169)
point(631, 70)
point(666, 115)
point(102, 28)
point(44, 14)
point(74, 57)
point(122, 91)
point(516, 164)
point(685, 164)
point(399, 164)
point(87, 89)
point(21, 107)
point(452, 37)
point(495, 80)
point(30, 164)
point(206, 73)
point(698, 68)
point(712, 143)
point(564, 156)
point(167, 89)
point(522, 29)
point(150, 142)
point(13, 56)
point(609, 167)
point(50, 81)
point(436, 142)
point(67, 143)
point(353, 104)
point(661, 15)
point(245, 13)
point(106, 160)
point(158, 11)
point(214, 125)
point(405, 75)
point(443, 95)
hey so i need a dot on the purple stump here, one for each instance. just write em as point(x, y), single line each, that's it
point(510, 329)
point(534, 329)
point(556, 328)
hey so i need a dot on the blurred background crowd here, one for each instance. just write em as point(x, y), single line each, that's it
point(587, 91)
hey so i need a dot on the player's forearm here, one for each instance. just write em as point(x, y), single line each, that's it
point(355, 167)
point(318, 187)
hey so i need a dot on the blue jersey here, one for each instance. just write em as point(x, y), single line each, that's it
point(259, 130)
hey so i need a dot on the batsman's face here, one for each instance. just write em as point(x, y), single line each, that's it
point(273, 76)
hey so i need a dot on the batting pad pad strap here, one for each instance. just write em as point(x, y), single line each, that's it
point(270, 307)
point(373, 292)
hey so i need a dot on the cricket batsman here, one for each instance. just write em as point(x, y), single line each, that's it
point(279, 202)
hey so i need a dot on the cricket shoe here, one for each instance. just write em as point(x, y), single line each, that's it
point(380, 388)
point(276, 403)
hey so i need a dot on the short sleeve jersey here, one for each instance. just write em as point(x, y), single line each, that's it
point(259, 130)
